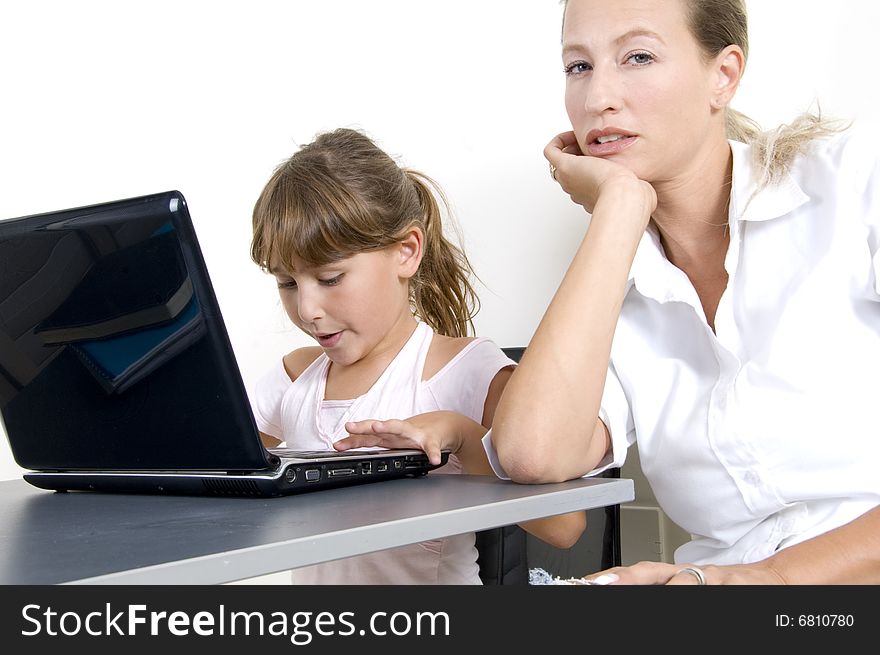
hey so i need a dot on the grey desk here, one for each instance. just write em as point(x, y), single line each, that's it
point(92, 538)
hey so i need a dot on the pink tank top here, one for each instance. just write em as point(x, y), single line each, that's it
point(297, 413)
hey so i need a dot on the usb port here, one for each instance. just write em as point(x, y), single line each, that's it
point(381, 467)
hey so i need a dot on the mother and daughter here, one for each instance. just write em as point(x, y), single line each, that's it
point(731, 278)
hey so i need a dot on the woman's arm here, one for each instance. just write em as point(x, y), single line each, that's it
point(849, 554)
point(561, 531)
point(546, 426)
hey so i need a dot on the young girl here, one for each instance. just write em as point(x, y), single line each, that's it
point(357, 248)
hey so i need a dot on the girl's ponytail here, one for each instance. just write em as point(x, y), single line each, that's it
point(442, 293)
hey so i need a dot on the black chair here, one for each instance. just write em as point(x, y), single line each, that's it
point(507, 553)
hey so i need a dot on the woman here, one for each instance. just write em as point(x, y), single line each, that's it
point(722, 310)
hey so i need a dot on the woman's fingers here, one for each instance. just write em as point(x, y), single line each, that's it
point(642, 573)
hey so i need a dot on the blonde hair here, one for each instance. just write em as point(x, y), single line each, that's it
point(341, 195)
point(716, 24)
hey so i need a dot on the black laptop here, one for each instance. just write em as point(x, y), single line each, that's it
point(116, 371)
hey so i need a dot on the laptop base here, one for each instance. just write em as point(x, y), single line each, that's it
point(290, 478)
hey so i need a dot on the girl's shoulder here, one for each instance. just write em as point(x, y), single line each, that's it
point(465, 355)
point(297, 361)
point(443, 350)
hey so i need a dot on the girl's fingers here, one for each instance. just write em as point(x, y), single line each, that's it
point(360, 427)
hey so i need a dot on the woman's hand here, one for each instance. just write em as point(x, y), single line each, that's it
point(585, 178)
point(658, 573)
point(431, 432)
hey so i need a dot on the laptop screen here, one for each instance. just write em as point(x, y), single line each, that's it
point(113, 352)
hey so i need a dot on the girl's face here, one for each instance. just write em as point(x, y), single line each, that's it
point(351, 307)
point(638, 90)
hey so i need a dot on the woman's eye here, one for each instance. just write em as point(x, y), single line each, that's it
point(640, 58)
point(286, 284)
point(576, 68)
point(332, 282)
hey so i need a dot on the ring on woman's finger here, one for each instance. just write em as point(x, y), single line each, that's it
point(694, 571)
point(553, 172)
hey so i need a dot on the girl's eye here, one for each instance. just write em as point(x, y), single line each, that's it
point(332, 282)
point(286, 284)
point(640, 58)
point(576, 68)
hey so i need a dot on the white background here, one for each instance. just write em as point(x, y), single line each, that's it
point(107, 100)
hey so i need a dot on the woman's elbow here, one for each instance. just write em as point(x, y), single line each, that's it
point(531, 467)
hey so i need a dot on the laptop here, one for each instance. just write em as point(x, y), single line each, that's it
point(116, 370)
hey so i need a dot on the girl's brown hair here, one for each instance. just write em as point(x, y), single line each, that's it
point(341, 195)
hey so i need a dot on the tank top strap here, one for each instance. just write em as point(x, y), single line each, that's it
point(405, 370)
point(404, 373)
point(426, 337)
point(315, 375)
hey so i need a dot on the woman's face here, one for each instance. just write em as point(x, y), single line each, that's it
point(638, 90)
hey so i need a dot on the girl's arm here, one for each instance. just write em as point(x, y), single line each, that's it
point(269, 391)
point(434, 432)
point(269, 441)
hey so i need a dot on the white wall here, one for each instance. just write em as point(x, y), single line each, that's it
point(101, 100)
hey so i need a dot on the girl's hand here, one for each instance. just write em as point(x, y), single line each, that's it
point(585, 178)
point(431, 432)
point(659, 573)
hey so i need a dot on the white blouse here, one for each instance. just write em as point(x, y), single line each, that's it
point(764, 433)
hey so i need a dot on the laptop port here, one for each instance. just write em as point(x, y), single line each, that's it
point(340, 473)
point(290, 474)
point(313, 475)
point(366, 468)
point(381, 467)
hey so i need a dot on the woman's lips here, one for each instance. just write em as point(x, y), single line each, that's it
point(328, 340)
point(597, 149)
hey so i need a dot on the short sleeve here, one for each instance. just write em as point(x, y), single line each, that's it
point(492, 456)
point(615, 413)
point(266, 397)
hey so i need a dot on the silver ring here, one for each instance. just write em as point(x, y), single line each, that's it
point(697, 573)
point(553, 172)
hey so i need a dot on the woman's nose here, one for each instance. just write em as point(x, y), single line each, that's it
point(604, 92)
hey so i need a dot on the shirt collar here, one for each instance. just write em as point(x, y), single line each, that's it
point(749, 204)
point(653, 274)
